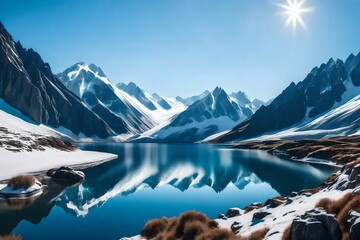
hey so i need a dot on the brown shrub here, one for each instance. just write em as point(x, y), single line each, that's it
point(324, 203)
point(22, 181)
point(334, 207)
point(257, 235)
point(154, 227)
point(189, 216)
point(11, 237)
point(193, 229)
point(192, 225)
point(217, 234)
point(287, 233)
point(213, 224)
point(351, 204)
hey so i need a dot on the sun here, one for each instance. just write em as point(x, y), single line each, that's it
point(294, 9)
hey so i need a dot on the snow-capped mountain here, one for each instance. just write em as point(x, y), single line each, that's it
point(320, 102)
point(210, 115)
point(190, 100)
point(127, 109)
point(28, 84)
point(153, 102)
point(245, 102)
point(133, 90)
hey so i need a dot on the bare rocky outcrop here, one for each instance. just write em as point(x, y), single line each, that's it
point(315, 224)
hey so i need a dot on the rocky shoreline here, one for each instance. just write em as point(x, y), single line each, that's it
point(337, 150)
point(317, 220)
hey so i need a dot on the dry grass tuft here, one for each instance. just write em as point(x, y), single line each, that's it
point(287, 233)
point(217, 234)
point(22, 181)
point(259, 234)
point(256, 235)
point(154, 227)
point(11, 237)
point(341, 208)
point(352, 204)
point(190, 216)
point(334, 207)
point(193, 229)
point(192, 225)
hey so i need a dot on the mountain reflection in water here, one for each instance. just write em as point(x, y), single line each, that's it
point(147, 174)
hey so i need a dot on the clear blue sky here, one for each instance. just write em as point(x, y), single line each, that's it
point(182, 47)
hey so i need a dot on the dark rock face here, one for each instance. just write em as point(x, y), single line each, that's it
point(66, 174)
point(315, 224)
point(355, 76)
point(354, 233)
point(320, 90)
point(28, 84)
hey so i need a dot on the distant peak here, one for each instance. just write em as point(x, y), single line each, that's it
point(132, 84)
point(80, 64)
point(217, 90)
point(331, 62)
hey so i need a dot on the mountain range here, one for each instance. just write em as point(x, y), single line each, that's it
point(81, 101)
point(323, 104)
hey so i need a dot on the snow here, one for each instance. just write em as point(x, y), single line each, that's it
point(212, 137)
point(13, 164)
point(223, 123)
point(313, 127)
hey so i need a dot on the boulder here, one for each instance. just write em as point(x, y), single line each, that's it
point(235, 227)
point(66, 174)
point(351, 218)
point(308, 229)
point(353, 224)
point(355, 176)
point(260, 215)
point(315, 224)
point(233, 212)
point(354, 233)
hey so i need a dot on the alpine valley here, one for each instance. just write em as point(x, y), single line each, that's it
point(291, 163)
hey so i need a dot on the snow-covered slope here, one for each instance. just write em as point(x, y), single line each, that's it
point(210, 115)
point(343, 119)
point(161, 109)
point(24, 146)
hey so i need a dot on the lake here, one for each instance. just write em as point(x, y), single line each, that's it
point(153, 180)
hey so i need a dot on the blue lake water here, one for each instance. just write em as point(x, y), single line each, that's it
point(153, 180)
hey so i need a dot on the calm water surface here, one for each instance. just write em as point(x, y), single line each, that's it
point(154, 180)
